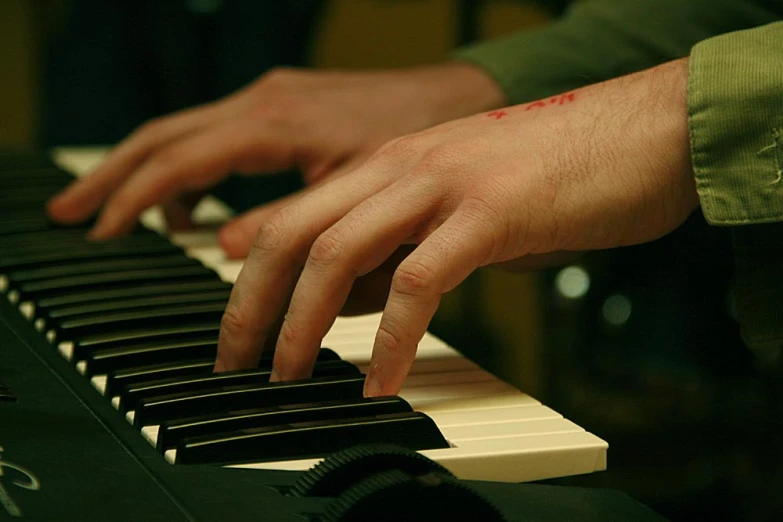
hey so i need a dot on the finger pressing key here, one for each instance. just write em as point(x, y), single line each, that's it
point(273, 265)
point(439, 264)
point(354, 246)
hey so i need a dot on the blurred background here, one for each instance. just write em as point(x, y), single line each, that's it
point(638, 345)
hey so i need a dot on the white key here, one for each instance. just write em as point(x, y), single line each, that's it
point(439, 378)
point(99, 383)
point(66, 350)
point(524, 457)
point(507, 459)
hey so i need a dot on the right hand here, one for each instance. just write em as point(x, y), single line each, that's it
point(322, 123)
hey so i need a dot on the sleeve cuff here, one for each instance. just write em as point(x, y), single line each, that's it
point(735, 104)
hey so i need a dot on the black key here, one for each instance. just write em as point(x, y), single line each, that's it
point(64, 285)
point(132, 394)
point(115, 380)
point(12, 161)
point(35, 196)
point(115, 294)
point(90, 252)
point(59, 314)
point(154, 410)
point(160, 334)
point(105, 361)
point(93, 324)
point(311, 439)
point(170, 433)
point(82, 268)
point(69, 238)
point(23, 224)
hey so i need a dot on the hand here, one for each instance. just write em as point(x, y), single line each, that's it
point(320, 122)
point(601, 167)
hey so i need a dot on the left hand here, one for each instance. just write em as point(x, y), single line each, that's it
point(601, 167)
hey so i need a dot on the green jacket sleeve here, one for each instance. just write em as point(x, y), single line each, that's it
point(601, 39)
point(735, 103)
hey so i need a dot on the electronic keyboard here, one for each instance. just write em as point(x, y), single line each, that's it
point(106, 354)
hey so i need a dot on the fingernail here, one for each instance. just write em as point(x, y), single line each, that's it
point(275, 375)
point(219, 366)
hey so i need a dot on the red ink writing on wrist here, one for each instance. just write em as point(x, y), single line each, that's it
point(555, 100)
point(497, 114)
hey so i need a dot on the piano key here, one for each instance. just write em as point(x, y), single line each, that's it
point(155, 288)
point(53, 287)
point(112, 382)
point(315, 438)
point(438, 378)
point(56, 239)
point(104, 251)
point(84, 268)
point(432, 365)
point(146, 354)
point(133, 393)
point(61, 313)
point(35, 196)
point(154, 410)
point(24, 224)
point(515, 458)
point(95, 324)
point(78, 350)
point(14, 161)
point(168, 435)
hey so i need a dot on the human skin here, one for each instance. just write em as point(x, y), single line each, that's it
point(601, 167)
point(323, 123)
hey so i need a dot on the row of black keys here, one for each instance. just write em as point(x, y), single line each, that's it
point(140, 312)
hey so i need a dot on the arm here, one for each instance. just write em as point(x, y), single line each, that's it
point(601, 39)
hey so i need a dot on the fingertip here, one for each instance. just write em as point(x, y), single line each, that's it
point(60, 208)
point(219, 366)
point(372, 386)
point(234, 240)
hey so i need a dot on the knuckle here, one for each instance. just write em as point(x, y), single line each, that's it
point(169, 158)
point(289, 331)
point(413, 277)
point(387, 340)
point(328, 248)
point(398, 148)
point(279, 75)
point(442, 158)
point(270, 234)
point(234, 320)
point(150, 129)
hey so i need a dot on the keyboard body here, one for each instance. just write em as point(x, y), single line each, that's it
point(62, 443)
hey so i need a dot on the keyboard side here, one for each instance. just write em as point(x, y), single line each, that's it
point(66, 454)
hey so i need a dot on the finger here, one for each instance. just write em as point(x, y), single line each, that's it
point(278, 252)
point(369, 292)
point(355, 245)
point(440, 263)
point(196, 162)
point(236, 236)
point(178, 212)
point(82, 198)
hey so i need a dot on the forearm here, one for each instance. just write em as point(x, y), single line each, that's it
point(601, 39)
